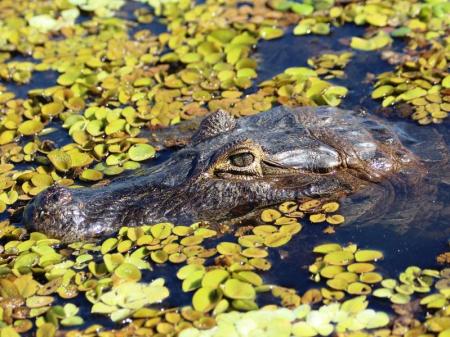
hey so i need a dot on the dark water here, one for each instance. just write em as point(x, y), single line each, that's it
point(421, 242)
point(417, 244)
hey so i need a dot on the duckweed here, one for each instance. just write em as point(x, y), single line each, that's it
point(301, 321)
point(420, 84)
point(412, 280)
point(111, 88)
point(346, 268)
point(232, 282)
point(378, 41)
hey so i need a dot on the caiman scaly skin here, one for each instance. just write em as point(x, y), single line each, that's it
point(230, 168)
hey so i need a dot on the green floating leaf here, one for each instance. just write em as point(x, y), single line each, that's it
point(128, 272)
point(269, 33)
point(60, 160)
point(401, 32)
point(339, 258)
point(31, 127)
point(446, 82)
point(327, 248)
point(379, 41)
point(45, 330)
point(382, 91)
point(238, 290)
point(366, 255)
point(121, 301)
point(140, 152)
point(302, 8)
point(91, 175)
point(412, 94)
point(214, 278)
point(205, 299)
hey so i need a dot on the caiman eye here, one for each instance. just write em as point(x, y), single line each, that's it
point(242, 159)
point(241, 162)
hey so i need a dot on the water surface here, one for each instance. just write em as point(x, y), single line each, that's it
point(415, 243)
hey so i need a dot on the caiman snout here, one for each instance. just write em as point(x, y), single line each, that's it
point(55, 212)
point(57, 196)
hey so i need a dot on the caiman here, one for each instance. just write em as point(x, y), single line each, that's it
point(232, 167)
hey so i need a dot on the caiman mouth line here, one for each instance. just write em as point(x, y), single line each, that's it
point(229, 168)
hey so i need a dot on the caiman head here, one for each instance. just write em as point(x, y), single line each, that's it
point(232, 167)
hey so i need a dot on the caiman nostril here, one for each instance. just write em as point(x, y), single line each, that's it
point(57, 195)
point(54, 212)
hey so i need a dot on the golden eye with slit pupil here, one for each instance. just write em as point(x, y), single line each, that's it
point(242, 159)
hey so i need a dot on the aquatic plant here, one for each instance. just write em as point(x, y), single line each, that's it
point(108, 83)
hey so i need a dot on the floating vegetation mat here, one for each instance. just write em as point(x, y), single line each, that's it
point(423, 83)
point(98, 81)
point(41, 280)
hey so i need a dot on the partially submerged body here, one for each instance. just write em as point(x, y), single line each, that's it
point(232, 167)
